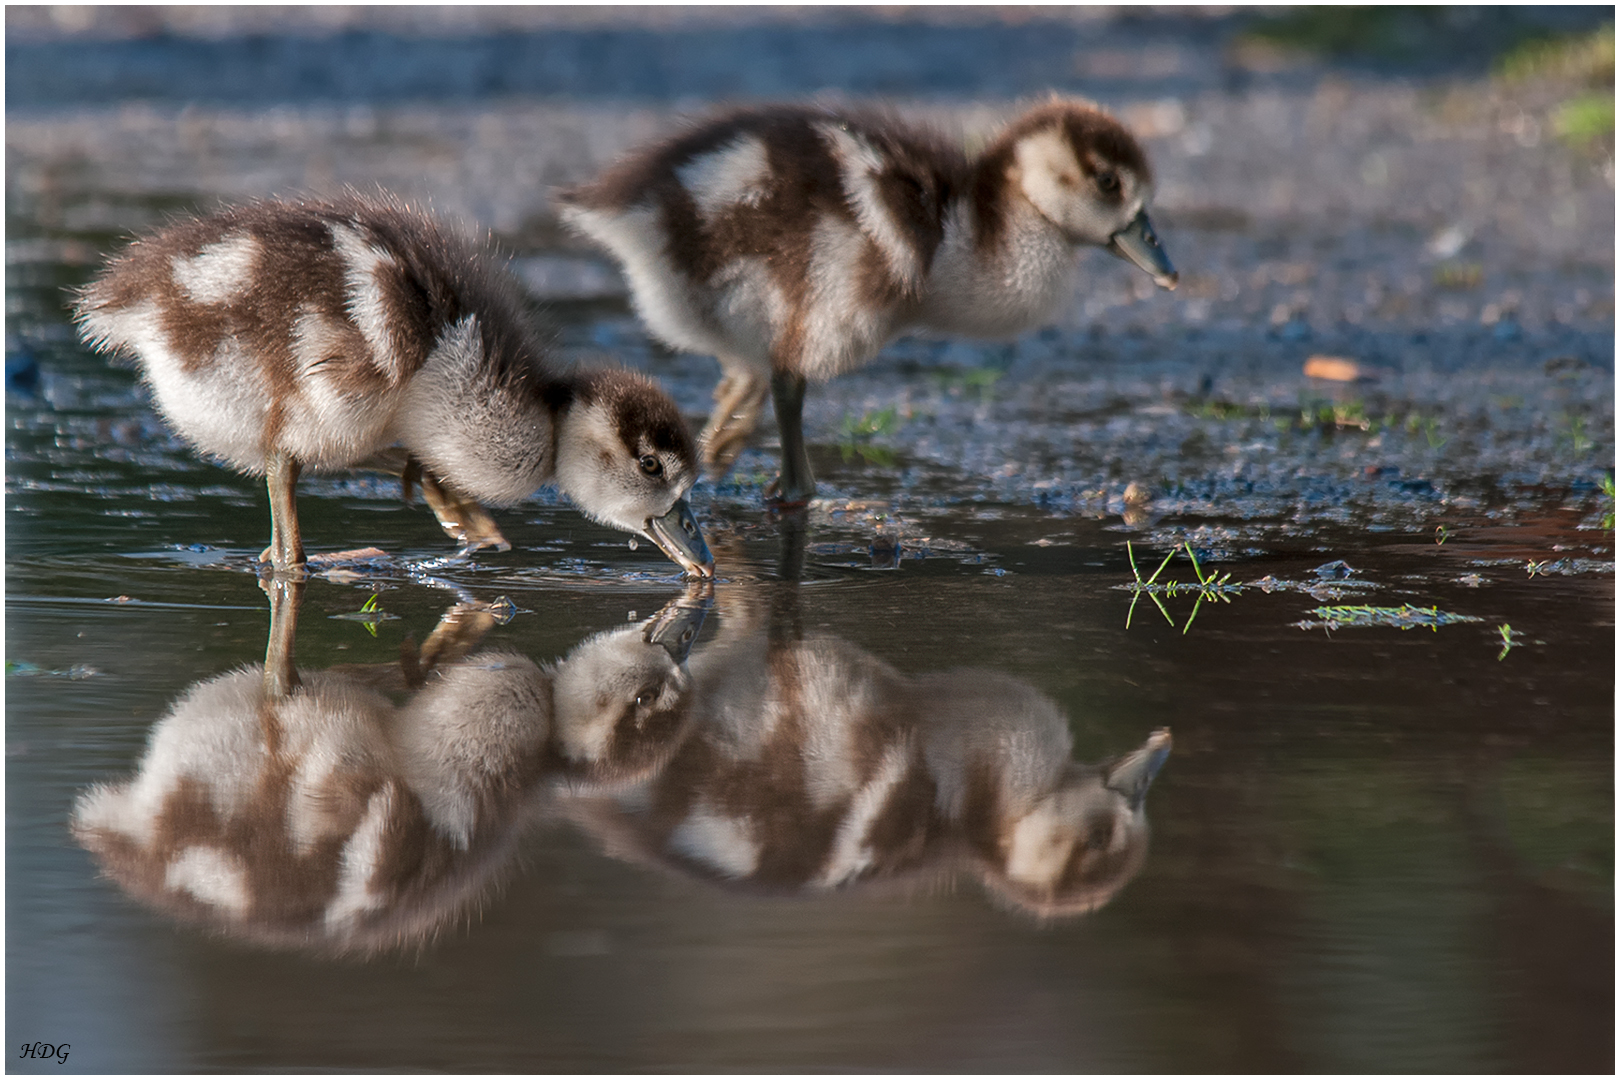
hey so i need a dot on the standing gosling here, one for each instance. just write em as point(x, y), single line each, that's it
point(793, 243)
point(289, 335)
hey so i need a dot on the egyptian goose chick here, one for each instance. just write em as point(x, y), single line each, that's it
point(793, 243)
point(282, 336)
point(305, 810)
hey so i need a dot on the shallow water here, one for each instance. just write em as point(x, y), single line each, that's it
point(1370, 848)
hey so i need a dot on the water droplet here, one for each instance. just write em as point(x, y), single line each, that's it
point(634, 543)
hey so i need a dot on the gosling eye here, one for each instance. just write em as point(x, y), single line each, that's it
point(1108, 181)
point(651, 465)
point(646, 697)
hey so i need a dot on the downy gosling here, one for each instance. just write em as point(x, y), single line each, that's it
point(793, 243)
point(284, 336)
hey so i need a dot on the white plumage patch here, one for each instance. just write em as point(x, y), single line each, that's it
point(1004, 291)
point(753, 310)
point(219, 408)
point(212, 876)
point(851, 854)
point(361, 856)
point(1039, 846)
point(726, 844)
point(1052, 179)
point(739, 172)
point(600, 477)
point(330, 428)
point(664, 297)
point(859, 163)
point(460, 424)
point(361, 263)
point(220, 271)
point(841, 331)
point(210, 735)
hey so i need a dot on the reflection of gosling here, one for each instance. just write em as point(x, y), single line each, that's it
point(793, 243)
point(331, 820)
point(284, 336)
point(816, 766)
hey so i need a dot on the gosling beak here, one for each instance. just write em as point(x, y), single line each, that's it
point(677, 625)
point(1131, 774)
point(678, 536)
point(1140, 244)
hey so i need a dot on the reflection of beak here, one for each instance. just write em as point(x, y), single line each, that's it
point(1140, 244)
point(1131, 774)
point(678, 536)
point(677, 626)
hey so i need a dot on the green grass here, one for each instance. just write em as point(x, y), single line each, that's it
point(1585, 58)
point(855, 436)
point(1509, 638)
point(1326, 416)
point(1457, 275)
point(980, 379)
point(1586, 118)
point(1405, 617)
point(1205, 587)
point(369, 615)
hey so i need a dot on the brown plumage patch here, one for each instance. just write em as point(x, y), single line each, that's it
point(640, 410)
point(921, 174)
point(432, 279)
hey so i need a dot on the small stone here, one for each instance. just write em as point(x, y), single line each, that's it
point(1335, 369)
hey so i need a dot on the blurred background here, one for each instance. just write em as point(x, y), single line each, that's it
point(1376, 849)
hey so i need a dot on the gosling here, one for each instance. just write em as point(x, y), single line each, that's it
point(793, 243)
point(284, 336)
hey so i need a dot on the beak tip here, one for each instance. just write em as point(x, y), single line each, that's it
point(1168, 281)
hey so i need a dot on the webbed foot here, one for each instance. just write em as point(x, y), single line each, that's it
point(737, 404)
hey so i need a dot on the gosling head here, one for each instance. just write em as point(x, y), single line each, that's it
point(625, 458)
point(622, 701)
point(1086, 174)
point(1079, 845)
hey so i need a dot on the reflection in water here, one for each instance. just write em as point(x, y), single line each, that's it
point(305, 809)
point(308, 809)
point(813, 765)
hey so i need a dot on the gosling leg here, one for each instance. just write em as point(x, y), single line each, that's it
point(737, 404)
point(286, 551)
point(462, 518)
point(459, 631)
point(280, 670)
point(796, 483)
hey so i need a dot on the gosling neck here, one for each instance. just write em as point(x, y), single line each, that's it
point(1002, 267)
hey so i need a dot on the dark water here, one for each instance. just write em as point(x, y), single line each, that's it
point(1370, 848)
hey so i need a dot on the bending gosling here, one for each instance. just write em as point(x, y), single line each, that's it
point(282, 336)
point(794, 243)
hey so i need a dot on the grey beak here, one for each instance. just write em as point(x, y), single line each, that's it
point(1131, 774)
point(677, 626)
point(678, 536)
point(1140, 244)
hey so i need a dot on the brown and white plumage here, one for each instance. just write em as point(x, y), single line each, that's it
point(284, 336)
point(305, 810)
point(794, 242)
point(813, 766)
